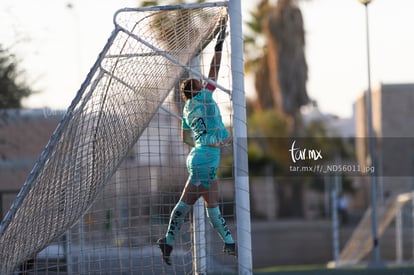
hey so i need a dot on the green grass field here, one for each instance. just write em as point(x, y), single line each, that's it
point(318, 270)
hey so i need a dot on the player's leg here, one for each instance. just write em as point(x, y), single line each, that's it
point(217, 220)
point(211, 198)
point(177, 217)
point(188, 197)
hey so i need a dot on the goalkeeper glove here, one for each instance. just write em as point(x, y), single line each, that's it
point(220, 39)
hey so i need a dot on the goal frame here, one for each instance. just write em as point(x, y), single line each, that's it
point(237, 93)
point(241, 175)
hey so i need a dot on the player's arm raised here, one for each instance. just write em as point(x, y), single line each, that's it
point(215, 62)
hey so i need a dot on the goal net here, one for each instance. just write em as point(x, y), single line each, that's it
point(102, 189)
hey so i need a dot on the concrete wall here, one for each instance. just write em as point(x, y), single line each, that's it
point(283, 243)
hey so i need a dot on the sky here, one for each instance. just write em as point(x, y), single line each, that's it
point(59, 41)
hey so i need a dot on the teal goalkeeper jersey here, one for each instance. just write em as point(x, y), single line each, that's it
point(202, 116)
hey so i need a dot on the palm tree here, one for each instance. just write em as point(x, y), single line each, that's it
point(282, 71)
point(280, 79)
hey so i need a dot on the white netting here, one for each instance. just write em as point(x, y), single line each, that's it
point(132, 77)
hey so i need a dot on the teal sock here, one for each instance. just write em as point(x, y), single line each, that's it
point(219, 224)
point(177, 218)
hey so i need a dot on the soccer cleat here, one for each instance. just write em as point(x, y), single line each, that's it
point(230, 249)
point(165, 250)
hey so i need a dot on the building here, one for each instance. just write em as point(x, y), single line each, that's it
point(393, 126)
point(23, 135)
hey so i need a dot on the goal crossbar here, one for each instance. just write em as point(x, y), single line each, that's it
point(171, 7)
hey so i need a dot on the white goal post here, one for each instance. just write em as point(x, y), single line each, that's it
point(115, 155)
point(240, 141)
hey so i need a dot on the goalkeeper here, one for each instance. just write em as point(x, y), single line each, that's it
point(203, 129)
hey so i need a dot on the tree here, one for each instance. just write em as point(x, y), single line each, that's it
point(12, 87)
point(286, 55)
point(255, 45)
point(280, 80)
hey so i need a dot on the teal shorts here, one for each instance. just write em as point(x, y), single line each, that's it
point(202, 163)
